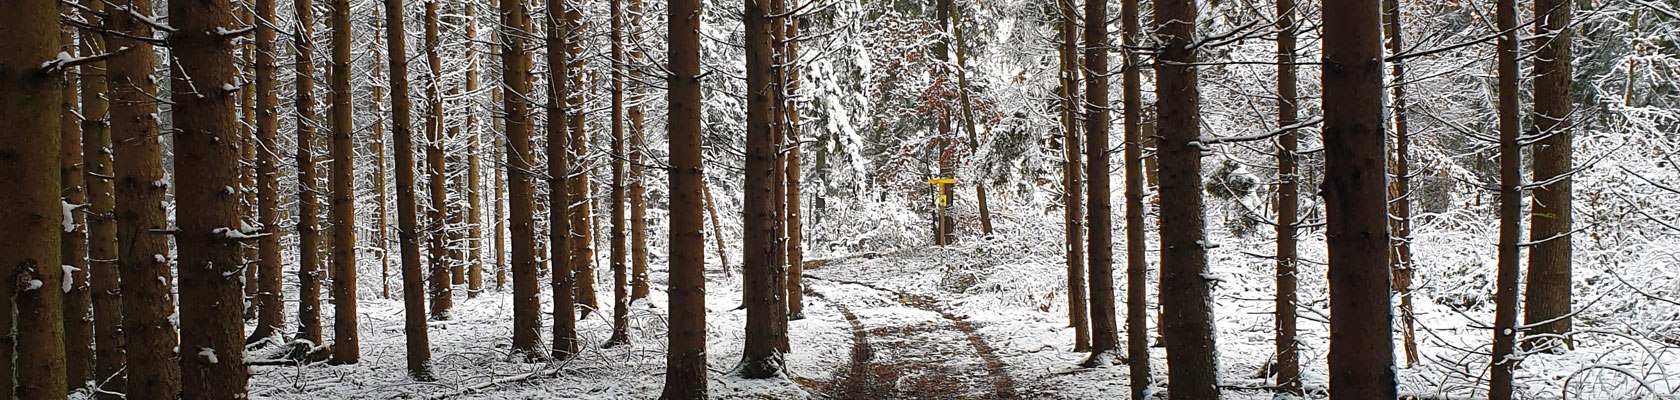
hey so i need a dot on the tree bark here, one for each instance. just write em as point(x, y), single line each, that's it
point(1356, 204)
point(581, 210)
point(418, 339)
point(618, 239)
point(346, 339)
point(377, 147)
point(475, 184)
point(565, 341)
point(944, 224)
point(1137, 266)
point(204, 84)
point(33, 214)
point(968, 117)
point(436, 215)
point(1072, 183)
point(1104, 328)
point(516, 64)
point(1510, 204)
point(685, 362)
point(109, 357)
point(270, 300)
point(1186, 299)
point(1400, 190)
point(309, 230)
point(638, 190)
point(717, 225)
point(1288, 205)
point(77, 300)
point(248, 157)
point(1552, 216)
point(795, 231)
point(761, 261)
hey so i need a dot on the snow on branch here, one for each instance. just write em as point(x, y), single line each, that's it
point(1263, 136)
point(65, 61)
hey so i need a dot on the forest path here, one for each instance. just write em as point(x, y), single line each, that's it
point(908, 346)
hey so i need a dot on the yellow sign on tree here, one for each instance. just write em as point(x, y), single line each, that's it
point(939, 192)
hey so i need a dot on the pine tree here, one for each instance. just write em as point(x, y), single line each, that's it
point(109, 357)
point(1510, 204)
point(559, 154)
point(475, 176)
point(204, 86)
point(582, 211)
point(1104, 329)
point(1288, 204)
point(77, 300)
point(1400, 190)
point(1186, 298)
point(516, 61)
point(618, 240)
point(795, 231)
point(270, 304)
point(309, 229)
point(408, 225)
point(1072, 183)
point(1137, 265)
point(638, 191)
point(1356, 203)
point(440, 289)
point(346, 339)
point(761, 260)
point(685, 361)
point(1547, 300)
point(33, 357)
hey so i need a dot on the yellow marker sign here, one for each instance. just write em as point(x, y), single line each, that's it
point(942, 201)
point(944, 181)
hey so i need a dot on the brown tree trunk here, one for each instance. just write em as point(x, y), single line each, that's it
point(618, 240)
point(1137, 265)
point(248, 157)
point(108, 355)
point(638, 190)
point(685, 362)
point(516, 62)
point(968, 117)
point(1073, 187)
point(1186, 301)
point(1400, 191)
point(1546, 305)
point(1288, 205)
point(309, 229)
point(270, 304)
point(944, 224)
point(436, 218)
point(1510, 204)
point(204, 84)
point(500, 201)
point(475, 184)
point(1104, 327)
point(377, 147)
point(581, 213)
point(1356, 204)
point(564, 342)
point(795, 231)
point(778, 127)
point(346, 340)
point(762, 261)
point(31, 300)
point(77, 300)
point(717, 224)
point(146, 278)
point(408, 214)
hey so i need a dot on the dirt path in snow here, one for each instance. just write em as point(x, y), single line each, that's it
point(913, 349)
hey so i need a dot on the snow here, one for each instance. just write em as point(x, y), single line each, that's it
point(69, 277)
point(69, 216)
point(209, 355)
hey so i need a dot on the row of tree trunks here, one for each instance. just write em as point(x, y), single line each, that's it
point(1072, 176)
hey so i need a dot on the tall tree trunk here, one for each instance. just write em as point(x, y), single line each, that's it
point(1137, 265)
point(377, 147)
point(77, 300)
point(1186, 301)
point(1546, 305)
point(685, 362)
point(581, 213)
point(968, 117)
point(762, 261)
point(944, 224)
point(618, 240)
point(109, 358)
point(638, 190)
point(778, 129)
point(309, 229)
point(1073, 187)
point(717, 225)
point(1104, 328)
point(346, 339)
point(248, 156)
point(564, 342)
point(270, 305)
point(408, 225)
point(475, 184)
point(436, 218)
point(204, 84)
point(146, 278)
point(1510, 204)
point(1288, 204)
point(500, 202)
point(795, 231)
point(516, 64)
point(1400, 189)
point(31, 301)
point(1356, 204)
